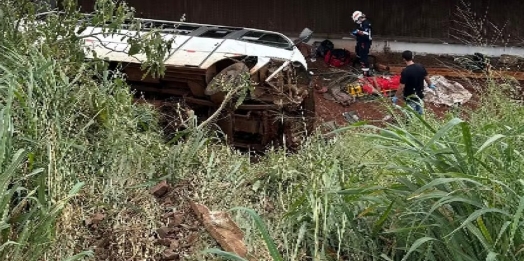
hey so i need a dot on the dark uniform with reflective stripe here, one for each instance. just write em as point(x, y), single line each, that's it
point(364, 40)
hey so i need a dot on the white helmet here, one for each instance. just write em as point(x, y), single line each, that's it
point(356, 15)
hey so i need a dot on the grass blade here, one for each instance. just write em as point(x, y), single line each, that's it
point(489, 142)
point(382, 219)
point(419, 242)
point(273, 251)
point(224, 254)
point(475, 215)
point(443, 131)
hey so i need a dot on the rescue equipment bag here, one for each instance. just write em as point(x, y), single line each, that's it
point(324, 47)
point(337, 57)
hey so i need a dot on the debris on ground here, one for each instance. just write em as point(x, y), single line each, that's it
point(335, 94)
point(351, 116)
point(337, 88)
point(319, 85)
point(160, 189)
point(222, 228)
point(476, 62)
point(510, 60)
point(179, 230)
point(94, 220)
point(334, 90)
point(447, 92)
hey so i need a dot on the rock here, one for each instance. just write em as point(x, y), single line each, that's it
point(169, 254)
point(163, 232)
point(95, 219)
point(174, 244)
point(168, 202)
point(191, 239)
point(160, 189)
point(178, 218)
point(164, 242)
point(103, 243)
point(222, 228)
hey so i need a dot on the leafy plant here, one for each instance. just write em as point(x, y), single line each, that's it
point(61, 34)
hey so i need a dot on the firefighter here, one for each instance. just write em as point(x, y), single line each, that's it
point(364, 40)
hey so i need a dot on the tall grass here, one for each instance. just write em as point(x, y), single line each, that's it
point(79, 134)
point(432, 190)
point(456, 194)
point(76, 130)
point(28, 213)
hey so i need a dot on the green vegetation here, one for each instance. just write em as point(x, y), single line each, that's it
point(66, 134)
point(72, 144)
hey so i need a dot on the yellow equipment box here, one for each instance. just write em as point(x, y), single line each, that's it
point(355, 89)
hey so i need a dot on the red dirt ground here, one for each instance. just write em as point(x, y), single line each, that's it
point(371, 110)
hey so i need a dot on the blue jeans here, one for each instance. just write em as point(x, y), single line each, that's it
point(417, 106)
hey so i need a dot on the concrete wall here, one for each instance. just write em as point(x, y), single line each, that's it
point(406, 20)
point(426, 48)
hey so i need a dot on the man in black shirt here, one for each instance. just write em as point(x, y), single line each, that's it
point(364, 39)
point(411, 87)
